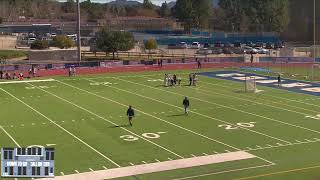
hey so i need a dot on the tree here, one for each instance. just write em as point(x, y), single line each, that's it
point(62, 42)
point(193, 13)
point(183, 11)
point(255, 15)
point(114, 41)
point(164, 10)
point(147, 4)
point(40, 44)
point(151, 44)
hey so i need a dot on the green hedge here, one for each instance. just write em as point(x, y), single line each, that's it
point(8, 54)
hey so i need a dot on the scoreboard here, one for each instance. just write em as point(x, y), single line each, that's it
point(30, 162)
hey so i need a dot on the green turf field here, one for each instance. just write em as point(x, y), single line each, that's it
point(84, 118)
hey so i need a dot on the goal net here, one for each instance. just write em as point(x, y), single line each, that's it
point(250, 84)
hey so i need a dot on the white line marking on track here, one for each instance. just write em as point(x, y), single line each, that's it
point(144, 162)
point(62, 173)
point(131, 164)
point(80, 140)
point(10, 136)
point(104, 167)
point(205, 154)
point(193, 155)
point(76, 171)
point(91, 169)
point(169, 158)
point(157, 160)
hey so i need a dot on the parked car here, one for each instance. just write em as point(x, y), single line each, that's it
point(249, 44)
point(218, 44)
point(183, 45)
point(238, 44)
point(239, 50)
point(262, 50)
point(259, 45)
point(269, 45)
point(195, 45)
point(279, 45)
point(31, 40)
point(206, 45)
point(227, 44)
point(227, 51)
point(250, 50)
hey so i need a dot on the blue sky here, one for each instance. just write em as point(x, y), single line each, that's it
point(158, 2)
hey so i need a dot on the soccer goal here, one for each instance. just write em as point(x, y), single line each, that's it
point(315, 72)
point(250, 84)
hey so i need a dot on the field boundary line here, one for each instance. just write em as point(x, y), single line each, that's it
point(106, 120)
point(2, 128)
point(240, 98)
point(26, 81)
point(102, 97)
point(264, 117)
point(200, 114)
point(222, 172)
point(279, 172)
point(80, 140)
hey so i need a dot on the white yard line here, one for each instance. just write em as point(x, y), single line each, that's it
point(180, 127)
point(74, 136)
point(264, 117)
point(146, 97)
point(27, 81)
point(160, 166)
point(160, 119)
point(1, 127)
point(106, 120)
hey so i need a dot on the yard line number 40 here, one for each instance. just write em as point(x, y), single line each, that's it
point(237, 126)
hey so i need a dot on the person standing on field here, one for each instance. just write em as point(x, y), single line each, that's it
point(130, 114)
point(186, 105)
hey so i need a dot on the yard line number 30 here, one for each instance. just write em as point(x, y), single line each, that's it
point(237, 126)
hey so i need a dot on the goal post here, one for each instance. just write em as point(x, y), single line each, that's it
point(250, 84)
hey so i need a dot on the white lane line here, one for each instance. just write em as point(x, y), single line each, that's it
point(102, 97)
point(104, 167)
point(1, 127)
point(91, 169)
point(106, 120)
point(264, 117)
point(193, 155)
point(146, 97)
point(62, 173)
point(131, 164)
point(76, 171)
point(144, 162)
point(157, 160)
point(170, 159)
point(62, 128)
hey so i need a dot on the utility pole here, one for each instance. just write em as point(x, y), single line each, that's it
point(78, 32)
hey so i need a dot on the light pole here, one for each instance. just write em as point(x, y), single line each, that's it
point(78, 32)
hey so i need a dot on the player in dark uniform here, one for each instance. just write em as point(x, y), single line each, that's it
point(186, 105)
point(130, 114)
point(279, 80)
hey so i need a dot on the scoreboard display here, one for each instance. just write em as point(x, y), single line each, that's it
point(30, 162)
